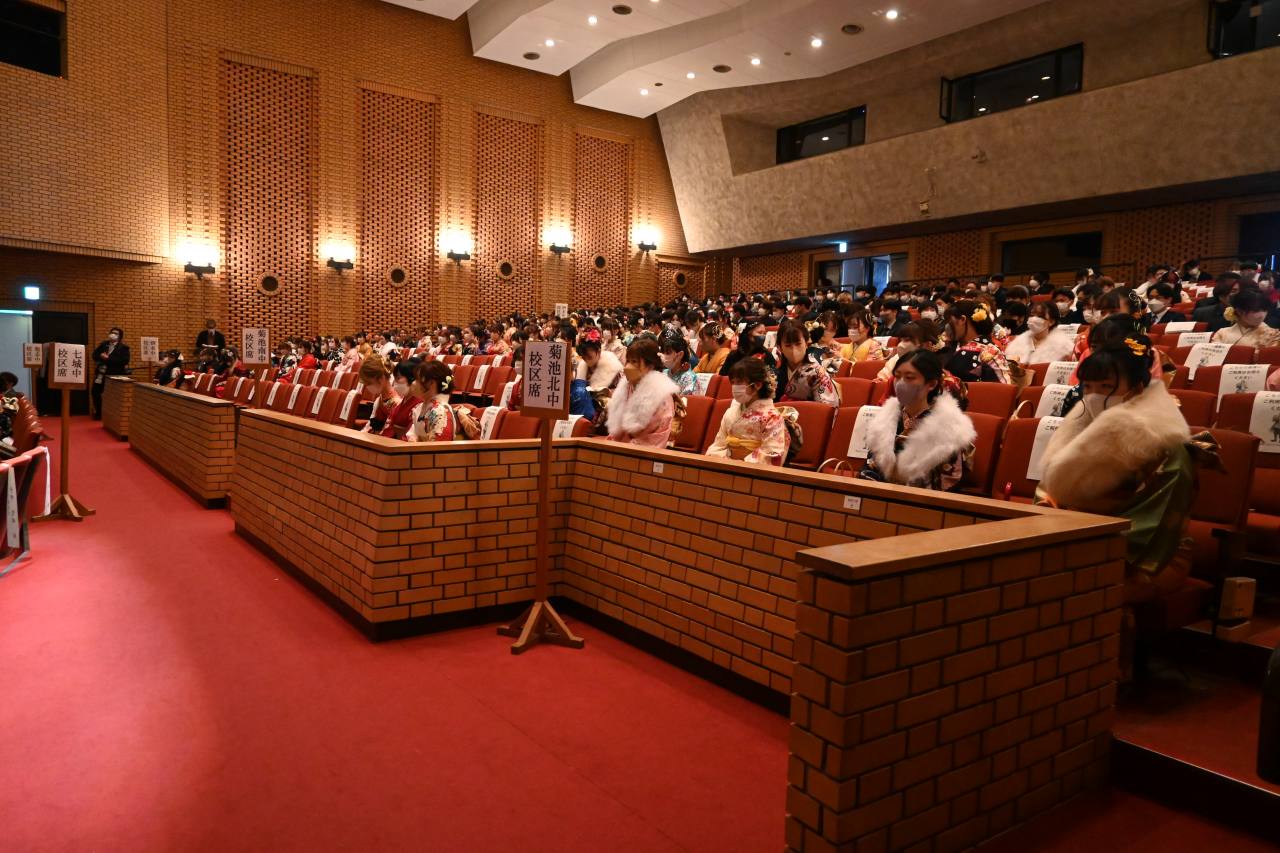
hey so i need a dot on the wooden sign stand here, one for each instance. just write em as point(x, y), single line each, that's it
point(66, 506)
point(541, 623)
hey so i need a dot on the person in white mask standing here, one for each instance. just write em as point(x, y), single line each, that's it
point(752, 429)
point(920, 437)
point(1042, 342)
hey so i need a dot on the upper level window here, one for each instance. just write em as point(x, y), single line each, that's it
point(1241, 26)
point(822, 135)
point(33, 35)
point(1018, 84)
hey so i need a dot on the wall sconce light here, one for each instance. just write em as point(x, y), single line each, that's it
point(340, 265)
point(340, 255)
point(198, 258)
point(561, 241)
point(648, 240)
point(199, 269)
point(457, 246)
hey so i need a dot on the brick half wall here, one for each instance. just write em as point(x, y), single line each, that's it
point(189, 437)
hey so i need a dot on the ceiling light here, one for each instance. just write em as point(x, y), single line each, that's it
point(755, 60)
point(721, 69)
point(892, 14)
point(644, 91)
point(592, 20)
point(851, 29)
point(826, 139)
point(532, 56)
point(690, 75)
point(550, 42)
point(622, 9)
point(982, 109)
point(815, 42)
point(1047, 77)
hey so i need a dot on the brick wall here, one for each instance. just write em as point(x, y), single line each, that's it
point(117, 405)
point(703, 554)
point(115, 162)
point(189, 437)
point(393, 530)
point(940, 701)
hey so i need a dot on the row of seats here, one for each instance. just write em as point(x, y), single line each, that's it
point(27, 468)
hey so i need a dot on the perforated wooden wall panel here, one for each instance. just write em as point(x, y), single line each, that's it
point(786, 271)
point(397, 174)
point(1167, 235)
point(670, 287)
point(508, 207)
point(601, 220)
point(953, 253)
point(270, 131)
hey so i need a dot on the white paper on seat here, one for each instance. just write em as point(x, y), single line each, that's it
point(336, 378)
point(11, 526)
point(1180, 326)
point(1205, 355)
point(1050, 405)
point(271, 397)
point(1264, 420)
point(487, 419)
point(1242, 379)
point(564, 429)
point(702, 382)
point(858, 440)
point(741, 326)
point(252, 391)
point(883, 340)
point(347, 404)
point(1071, 329)
point(771, 340)
point(1044, 432)
point(1059, 373)
point(481, 373)
point(1190, 339)
point(506, 394)
point(497, 361)
point(315, 404)
point(293, 398)
point(466, 359)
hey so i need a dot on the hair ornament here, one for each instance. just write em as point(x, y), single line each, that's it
point(1135, 347)
point(812, 325)
point(591, 335)
point(1229, 315)
point(979, 314)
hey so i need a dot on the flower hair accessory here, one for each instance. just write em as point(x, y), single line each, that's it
point(1135, 347)
point(979, 314)
point(812, 325)
point(592, 335)
point(1229, 315)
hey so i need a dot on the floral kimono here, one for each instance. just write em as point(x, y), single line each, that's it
point(753, 434)
point(980, 360)
point(433, 421)
point(809, 382)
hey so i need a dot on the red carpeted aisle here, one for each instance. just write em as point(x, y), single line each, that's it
point(163, 686)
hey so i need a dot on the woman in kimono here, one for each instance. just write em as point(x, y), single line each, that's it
point(433, 420)
point(971, 355)
point(862, 346)
point(400, 420)
point(643, 405)
point(800, 376)
point(752, 430)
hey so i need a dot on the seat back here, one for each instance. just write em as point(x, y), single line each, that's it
point(339, 407)
point(31, 493)
point(866, 369)
point(992, 398)
point(462, 375)
point(1223, 497)
point(298, 400)
point(1235, 412)
point(722, 390)
point(718, 409)
point(815, 425)
point(1235, 355)
point(854, 391)
point(1163, 328)
point(1267, 355)
point(697, 414)
point(306, 377)
point(1197, 406)
point(986, 453)
point(261, 391)
point(1010, 470)
point(582, 428)
point(516, 425)
point(28, 432)
point(497, 380)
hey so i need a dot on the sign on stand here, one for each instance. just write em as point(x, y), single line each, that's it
point(67, 372)
point(256, 351)
point(150, 350)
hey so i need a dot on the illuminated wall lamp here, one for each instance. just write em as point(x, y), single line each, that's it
point(340, 265)
point(200, 270)
point(458, 257)
point(647, 245)
point(560, 248)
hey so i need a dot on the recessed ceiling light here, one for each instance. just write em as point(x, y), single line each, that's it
point(1047, 77)
point(550, 42)
point(657, 84)
point(592, 20)
point(826, 139)
point(621, 9)
point(815, 42)
point(851, 29)
point(982, 109)
point(531, 55)
point(892, 14)
point(721, 69)
point(755, 60)
point(644, 91)
point(690, 75)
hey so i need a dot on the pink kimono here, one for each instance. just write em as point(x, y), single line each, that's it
point(642, 413)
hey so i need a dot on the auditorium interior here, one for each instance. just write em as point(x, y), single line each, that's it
point(389, 456)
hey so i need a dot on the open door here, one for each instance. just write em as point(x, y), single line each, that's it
point(64, 327)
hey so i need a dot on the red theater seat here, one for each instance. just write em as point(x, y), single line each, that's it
point(1235, 355)
point(516, 425)
point(992, 398)
point(1234, 413)
point(1197, 406)
point(713, 423)
point(697, 414)
point(866, 369)
point(1010, 471)
point(1163, 328)
point(854, 391)
point(815, 425)
point(986, 453)
point(1268, 355)
point(1222, 502)
point(835, 458)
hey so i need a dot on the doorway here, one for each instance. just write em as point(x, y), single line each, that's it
point(64, 327)
point(15, 330)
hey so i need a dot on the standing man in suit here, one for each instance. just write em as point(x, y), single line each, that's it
point(210, 337)
point(110, 358)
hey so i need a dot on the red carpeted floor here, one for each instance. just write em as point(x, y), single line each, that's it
point(165, 687)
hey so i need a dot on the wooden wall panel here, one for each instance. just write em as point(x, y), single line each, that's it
point(509, 155)
point(601, 220)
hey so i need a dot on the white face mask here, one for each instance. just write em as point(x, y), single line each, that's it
point(1064, 308)
point(1096, 404)
point(908, 393)
point(1156, 306)
point(744, 394)
point(113, 337)
point(401, 389)
point(1037, 325)
point(670, 360)
point(905, 347)
point(928, 314)
point(1092, 316)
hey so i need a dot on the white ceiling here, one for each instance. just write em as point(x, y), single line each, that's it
point(638, 63)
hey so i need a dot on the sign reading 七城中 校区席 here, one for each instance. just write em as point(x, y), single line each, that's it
point(256, 350)
point(68, 367)
point(546, 380)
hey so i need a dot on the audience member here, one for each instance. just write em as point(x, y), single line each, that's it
point(752, 429)
point(642, 407)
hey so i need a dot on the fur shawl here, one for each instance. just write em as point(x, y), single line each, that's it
point(1088, 458)
point(936, 438)
point(632, 409)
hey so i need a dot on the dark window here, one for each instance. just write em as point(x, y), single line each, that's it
point(1260, 239)
point(1018, 84)
point(822, 135)
point(1241, 26)
point(1052, 254)
point(32, 37)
